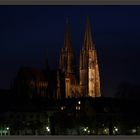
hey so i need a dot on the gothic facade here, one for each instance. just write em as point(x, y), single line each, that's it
point(87, 84)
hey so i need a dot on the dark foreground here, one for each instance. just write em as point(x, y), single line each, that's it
point(69, 137)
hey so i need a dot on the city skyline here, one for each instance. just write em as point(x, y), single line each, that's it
point(37, 32)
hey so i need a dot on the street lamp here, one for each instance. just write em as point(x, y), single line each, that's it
point(7, 128)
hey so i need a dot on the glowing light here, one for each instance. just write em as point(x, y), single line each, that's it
point(48, 129)
point(85, 129)
point(7, 128)
point(77, 107)
point(115, 128)
point(106, 131)
point(62, 107)
point(134, 130)
point(79, 102)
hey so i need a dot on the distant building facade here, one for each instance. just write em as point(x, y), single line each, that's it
point(30, 83)
point(35, 83)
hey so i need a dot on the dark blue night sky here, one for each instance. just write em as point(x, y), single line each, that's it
point(30, 34)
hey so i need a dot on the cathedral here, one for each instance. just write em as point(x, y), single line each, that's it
point(65, 82)
point(87, 82)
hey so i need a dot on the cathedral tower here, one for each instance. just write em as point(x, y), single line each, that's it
point(66, 62)
point(89, 70)
point(66, 66)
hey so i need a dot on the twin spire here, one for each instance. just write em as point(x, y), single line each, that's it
point(88, 83)
point(88, 42)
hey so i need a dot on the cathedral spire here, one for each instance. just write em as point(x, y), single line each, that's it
point(66, 62)
point(89, 69)
point(88, 43)
point(67, 36)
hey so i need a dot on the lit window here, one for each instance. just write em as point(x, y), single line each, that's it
point(62, 107)
point(77, 107)
point(79, 102)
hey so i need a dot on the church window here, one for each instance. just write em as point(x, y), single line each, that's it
point(77, 107)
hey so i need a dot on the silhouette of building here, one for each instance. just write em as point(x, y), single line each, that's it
point(30, 83)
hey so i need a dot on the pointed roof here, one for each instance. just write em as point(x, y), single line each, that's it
point(67, 36)
point(88, 42)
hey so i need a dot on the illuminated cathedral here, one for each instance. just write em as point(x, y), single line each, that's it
point(87, 84)
point(64, 82)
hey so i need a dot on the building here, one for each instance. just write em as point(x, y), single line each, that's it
point(88, 83)
point(67, 84)
point(30, 83)
point(89, 70)
point(64, 82)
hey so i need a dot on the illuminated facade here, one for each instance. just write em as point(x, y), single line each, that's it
point(88, 83)
point(89, 70)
